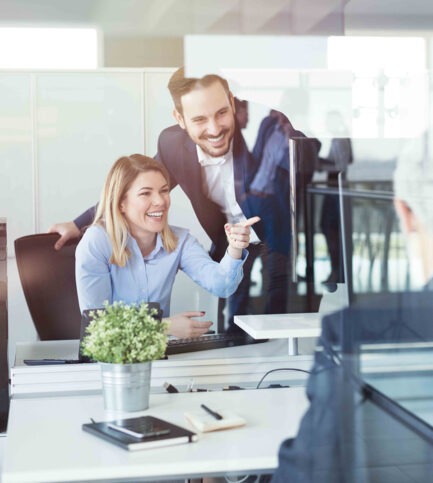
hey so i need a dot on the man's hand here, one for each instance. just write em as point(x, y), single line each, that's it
point(67, 231)
point(238, 236)
point(182, 325)
point(259, 194)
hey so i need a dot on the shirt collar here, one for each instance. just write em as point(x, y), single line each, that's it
point(158, 246)
point(206, 160)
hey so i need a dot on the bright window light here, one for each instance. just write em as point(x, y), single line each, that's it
point(377, 53)
point(390, 94)
point(48, 48)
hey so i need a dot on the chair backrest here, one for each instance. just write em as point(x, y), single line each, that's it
point(48, 280)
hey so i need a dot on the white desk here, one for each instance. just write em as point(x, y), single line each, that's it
point(45, 442)
point(294, 326)
point(282, 326)
point(240, 365)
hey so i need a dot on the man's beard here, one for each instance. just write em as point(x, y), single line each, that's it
point(207, 147)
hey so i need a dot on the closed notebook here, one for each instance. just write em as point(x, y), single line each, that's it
point(205, 422)
point(140, 433)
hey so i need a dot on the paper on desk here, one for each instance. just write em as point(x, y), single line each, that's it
point(205, 422)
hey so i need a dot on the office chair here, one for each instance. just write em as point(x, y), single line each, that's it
point(48, 281)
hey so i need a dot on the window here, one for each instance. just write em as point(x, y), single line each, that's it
point(49, 48)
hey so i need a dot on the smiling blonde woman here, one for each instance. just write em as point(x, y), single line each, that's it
point(130, 253)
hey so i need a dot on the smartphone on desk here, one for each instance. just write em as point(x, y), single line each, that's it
point(139, 427)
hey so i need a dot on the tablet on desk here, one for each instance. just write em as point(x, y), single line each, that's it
point(49, 362)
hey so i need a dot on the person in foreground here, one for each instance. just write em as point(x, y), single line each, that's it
point(353, 431)
point(130, 253)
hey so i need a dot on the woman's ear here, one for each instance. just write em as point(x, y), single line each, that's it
point(406, 216)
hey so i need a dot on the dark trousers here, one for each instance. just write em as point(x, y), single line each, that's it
point(275, 285)
point(330, 226)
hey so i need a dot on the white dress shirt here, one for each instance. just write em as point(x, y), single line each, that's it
point(219, 185)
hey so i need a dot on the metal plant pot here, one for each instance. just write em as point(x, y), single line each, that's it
point(126, 387)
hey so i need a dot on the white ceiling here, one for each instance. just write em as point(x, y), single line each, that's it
point(181, 17)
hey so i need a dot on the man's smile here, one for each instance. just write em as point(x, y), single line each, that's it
point(215, 139)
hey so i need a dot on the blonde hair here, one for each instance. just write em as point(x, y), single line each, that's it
point(108, 214)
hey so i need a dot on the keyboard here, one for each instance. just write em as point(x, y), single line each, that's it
point(207, 342)
point(174, 346)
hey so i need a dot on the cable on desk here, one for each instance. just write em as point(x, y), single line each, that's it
point(281, 369)
point(170, 388)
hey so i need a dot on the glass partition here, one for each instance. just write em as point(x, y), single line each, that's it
point(77, 123)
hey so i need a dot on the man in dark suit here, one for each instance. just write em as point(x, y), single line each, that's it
point(206, 155)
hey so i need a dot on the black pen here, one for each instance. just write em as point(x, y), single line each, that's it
point(213, 413)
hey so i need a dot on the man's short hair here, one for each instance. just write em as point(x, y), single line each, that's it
point(179, 85)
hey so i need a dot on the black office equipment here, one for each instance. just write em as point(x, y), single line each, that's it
point(181, 345)
point(174, 346)
point(126, 433)
point(50, 362)
point(208, 342)
point(48, 280)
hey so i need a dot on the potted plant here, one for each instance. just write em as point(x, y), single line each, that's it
point(125, 339)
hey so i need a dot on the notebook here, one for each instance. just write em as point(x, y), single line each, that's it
point(205, 422)
point(144, 432)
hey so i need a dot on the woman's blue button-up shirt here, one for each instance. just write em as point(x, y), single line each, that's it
point(150, 278)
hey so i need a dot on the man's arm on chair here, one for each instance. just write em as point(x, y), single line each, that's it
point(72, 229)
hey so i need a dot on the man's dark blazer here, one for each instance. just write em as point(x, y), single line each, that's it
point(265, 129)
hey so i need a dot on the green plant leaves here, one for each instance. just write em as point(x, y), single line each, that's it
point(125, 334)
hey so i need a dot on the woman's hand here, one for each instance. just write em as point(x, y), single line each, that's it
point(182, 325)
point(238, 236)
